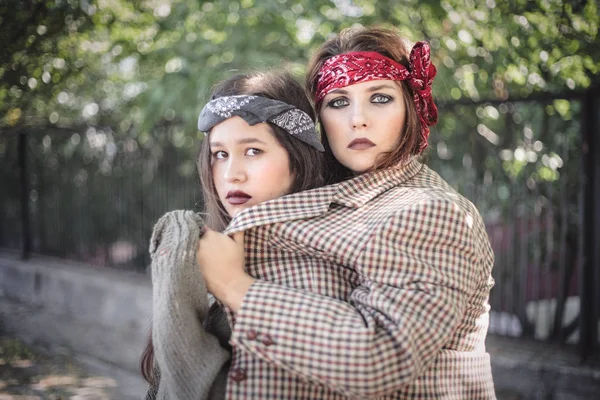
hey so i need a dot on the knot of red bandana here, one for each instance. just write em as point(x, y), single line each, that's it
point(420, 80)
point(350, 68)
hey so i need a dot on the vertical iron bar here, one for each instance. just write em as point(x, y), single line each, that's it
point(563, 270)
point(594, 132)
point(549, 292)
point(537, 300)
point(25, 223)
point(510, 279)
point(590, 232)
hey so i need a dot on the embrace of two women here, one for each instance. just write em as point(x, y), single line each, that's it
point(341, 266)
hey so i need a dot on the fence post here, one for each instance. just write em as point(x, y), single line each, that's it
point(589, 254)
point(24, 178)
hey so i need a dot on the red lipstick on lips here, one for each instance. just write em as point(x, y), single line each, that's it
point(237, 197)
point(360, 144)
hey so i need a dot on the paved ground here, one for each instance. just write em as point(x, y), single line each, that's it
point(28, 372)
point(31, 369)
point(38, 371)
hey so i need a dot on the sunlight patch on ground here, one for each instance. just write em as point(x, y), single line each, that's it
point(31, 373)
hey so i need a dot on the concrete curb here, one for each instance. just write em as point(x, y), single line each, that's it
point(96, 311)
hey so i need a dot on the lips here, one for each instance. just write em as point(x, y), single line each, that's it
point(237, 197)
point(361, 144)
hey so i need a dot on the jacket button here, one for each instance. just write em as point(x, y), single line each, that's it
point(267, 340)
point(252, 334)
point(238, 374)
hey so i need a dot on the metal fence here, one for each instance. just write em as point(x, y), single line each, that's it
point(90, 195)
point(528, 165)
point(532, 168)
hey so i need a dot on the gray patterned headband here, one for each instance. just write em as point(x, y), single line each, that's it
point(256, 109)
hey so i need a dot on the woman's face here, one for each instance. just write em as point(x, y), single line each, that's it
point(363, 121)
point(249, 166)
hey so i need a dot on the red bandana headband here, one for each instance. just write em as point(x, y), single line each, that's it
point(361, 66)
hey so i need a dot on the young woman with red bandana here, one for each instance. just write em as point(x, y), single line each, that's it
point(372, 287)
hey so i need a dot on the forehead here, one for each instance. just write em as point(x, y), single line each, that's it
point(370, 86)
point(235, 129)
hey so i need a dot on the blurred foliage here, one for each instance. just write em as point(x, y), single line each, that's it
point(112, 89)
point(132, 64)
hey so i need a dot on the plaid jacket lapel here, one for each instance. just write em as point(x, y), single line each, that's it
point(353, 193)
point(357, 192)
point(300, 205)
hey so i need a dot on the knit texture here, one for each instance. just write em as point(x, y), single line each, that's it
point(190, 362)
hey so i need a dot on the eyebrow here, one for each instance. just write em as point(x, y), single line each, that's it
point(241, 141)
point(370, 89)
point(340, 91)
point(379, 87)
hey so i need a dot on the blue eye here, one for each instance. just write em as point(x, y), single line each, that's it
point(381, 99)
point(338, 102)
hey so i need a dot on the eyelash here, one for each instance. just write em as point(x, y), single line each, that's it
point(215, 155)
point(333, 102)
point(387, 99)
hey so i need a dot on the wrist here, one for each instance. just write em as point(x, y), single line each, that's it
point(234, 293)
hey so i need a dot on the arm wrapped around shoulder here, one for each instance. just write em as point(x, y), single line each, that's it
point(189, 358)
point(421, 277)
point(419, 271)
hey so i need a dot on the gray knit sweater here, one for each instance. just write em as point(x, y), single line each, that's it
point(190, 361)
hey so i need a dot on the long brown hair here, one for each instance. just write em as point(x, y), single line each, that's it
point(390, 44)
point(306, 163)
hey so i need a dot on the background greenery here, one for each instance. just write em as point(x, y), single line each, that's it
point(108, 92)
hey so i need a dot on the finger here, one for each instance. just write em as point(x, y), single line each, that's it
point(238, 237)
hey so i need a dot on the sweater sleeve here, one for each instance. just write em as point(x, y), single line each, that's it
point(417, 274)
point(189, 358)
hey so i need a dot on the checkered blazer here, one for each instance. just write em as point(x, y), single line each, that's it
point(376, 287)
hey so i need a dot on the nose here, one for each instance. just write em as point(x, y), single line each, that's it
point(358, 118)
point(234, 171)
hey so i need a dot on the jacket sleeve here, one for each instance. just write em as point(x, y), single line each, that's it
point(417, 273)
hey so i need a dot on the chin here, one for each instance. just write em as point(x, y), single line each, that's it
point(359, 171)
point(358, 168)
point(238, 209)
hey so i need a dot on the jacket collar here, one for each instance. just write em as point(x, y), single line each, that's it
point(357, 192)
point(301, 205)
point(353, 193)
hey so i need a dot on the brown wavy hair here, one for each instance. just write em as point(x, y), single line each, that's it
point(390, 44)
point(306, 163)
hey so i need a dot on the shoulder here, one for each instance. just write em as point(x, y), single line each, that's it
point(425, 190)
point(428, 202)
point(427, 210)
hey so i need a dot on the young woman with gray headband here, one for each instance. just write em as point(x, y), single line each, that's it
point(260, 144)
